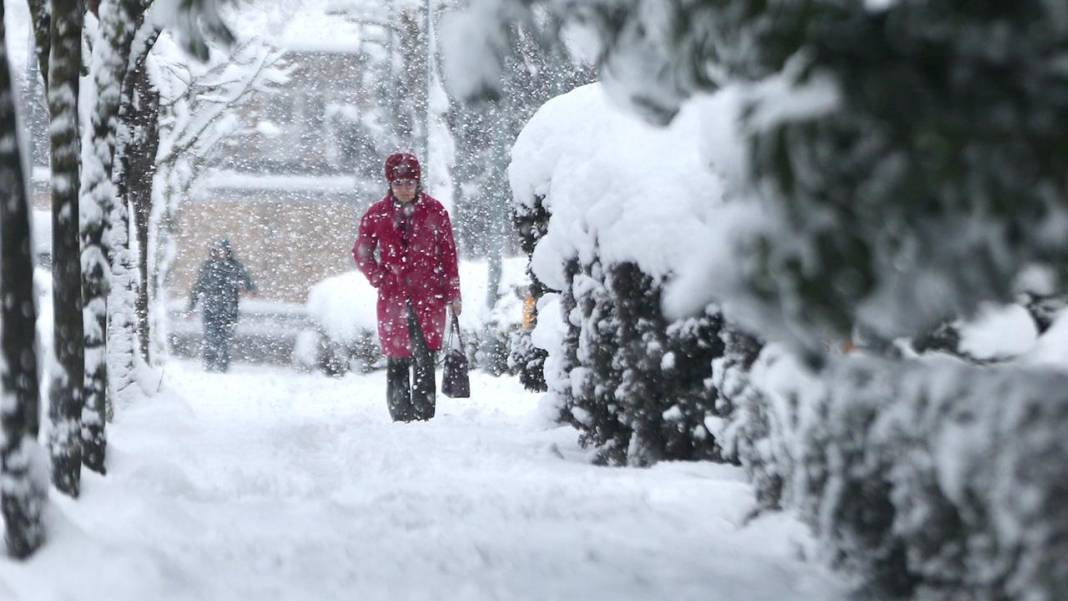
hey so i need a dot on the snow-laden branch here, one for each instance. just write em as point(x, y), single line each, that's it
point(200, 104)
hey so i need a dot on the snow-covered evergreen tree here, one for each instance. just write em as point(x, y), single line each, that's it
point(691, 344)
point(596, 376)
point(22, 492)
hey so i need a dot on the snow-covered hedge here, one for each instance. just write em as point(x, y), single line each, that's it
point(930, 477)
point(933, 475)
point(622, 204)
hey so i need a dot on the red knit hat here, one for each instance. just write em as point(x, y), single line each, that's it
point(402, 165)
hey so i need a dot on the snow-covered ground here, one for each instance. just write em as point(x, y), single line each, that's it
point(264, 484)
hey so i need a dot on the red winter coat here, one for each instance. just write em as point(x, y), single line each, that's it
point(423, 272)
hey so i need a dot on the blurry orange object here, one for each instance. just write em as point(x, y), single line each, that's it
point(530, 313)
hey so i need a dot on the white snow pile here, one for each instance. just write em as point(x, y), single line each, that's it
point(1051, 349)
point(345, 306)
point(615, 186)
point(999, 332)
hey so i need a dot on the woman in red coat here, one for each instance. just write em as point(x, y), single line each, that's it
point(406, 249)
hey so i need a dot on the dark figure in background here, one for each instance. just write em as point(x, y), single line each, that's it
point(406, 249)
point(217, 289)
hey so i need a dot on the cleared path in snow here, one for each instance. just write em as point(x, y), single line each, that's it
point(262, 484)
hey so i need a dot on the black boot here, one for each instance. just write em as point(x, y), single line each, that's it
point(399, 389)
point(424, 388)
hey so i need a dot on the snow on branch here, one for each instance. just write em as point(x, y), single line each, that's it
point(201, 100)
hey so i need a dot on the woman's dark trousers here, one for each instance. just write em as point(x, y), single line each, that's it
point(218, 338)
point(410, 385)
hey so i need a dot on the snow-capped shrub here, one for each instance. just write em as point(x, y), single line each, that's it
point(744, 430)
point(636, 385)
point(343, 308)
point(664, 369)
point(527, 361)
point(607, 207)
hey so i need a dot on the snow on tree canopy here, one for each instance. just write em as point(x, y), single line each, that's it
point(633, 191)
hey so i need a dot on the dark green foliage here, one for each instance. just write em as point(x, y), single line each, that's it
point(945, 151)
point(662, 395)
point(494, 347)
point(844, 492)
point(559, 376)
point(745, 434)
point(528, 361)
point(596, 377)
point(633, 383)
point(937, 480)
point(693, 344)
point(927, 179)
point(1044, 308)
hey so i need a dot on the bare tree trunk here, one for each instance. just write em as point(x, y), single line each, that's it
point(42, 34)
point(140, 170)
point(161, 231)
point(65, 391)
point(22, 497)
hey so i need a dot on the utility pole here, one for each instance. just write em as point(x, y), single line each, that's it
point(31, 103)
point(428, 38)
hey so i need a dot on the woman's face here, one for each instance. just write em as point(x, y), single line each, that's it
point(404, 189)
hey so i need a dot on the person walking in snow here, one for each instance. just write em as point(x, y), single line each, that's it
point(221, 279)
point(406, 249)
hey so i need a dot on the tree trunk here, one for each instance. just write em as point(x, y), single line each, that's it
point(21, 497)
point(163, 225)
point(42, 34)
point(123, 317)
point(65, 392)
point(139, 170)
point(110, 59)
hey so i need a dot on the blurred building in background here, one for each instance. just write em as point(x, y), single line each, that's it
point(288, 189)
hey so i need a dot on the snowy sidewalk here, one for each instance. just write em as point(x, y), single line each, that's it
point(262, 485)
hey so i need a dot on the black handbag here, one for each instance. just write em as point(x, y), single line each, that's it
point(455, 383)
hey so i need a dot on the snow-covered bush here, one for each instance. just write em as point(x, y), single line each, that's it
point(929, 478)
point(344, 309)
point(608, 207)
point(527, 361)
